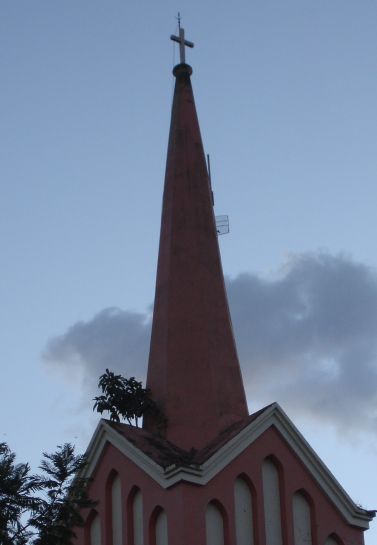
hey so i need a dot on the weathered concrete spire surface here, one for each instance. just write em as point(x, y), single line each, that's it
point(193, 371)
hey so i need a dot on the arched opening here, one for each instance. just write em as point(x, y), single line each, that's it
point(302, 518)
point(243, 504)
point(116, 511)
point(272, 502)
point(113, 509)
point(135, 517)
point(333, 539)
point(216, 524)
point(158, 527)
point(92, 530)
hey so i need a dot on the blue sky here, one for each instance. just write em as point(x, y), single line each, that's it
point(286, 97)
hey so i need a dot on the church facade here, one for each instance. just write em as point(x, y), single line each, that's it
point(213, 475)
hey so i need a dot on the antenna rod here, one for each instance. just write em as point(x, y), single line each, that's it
point(210, 179)
point(209, 169)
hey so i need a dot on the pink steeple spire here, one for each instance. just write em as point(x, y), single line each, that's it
point(193, 371)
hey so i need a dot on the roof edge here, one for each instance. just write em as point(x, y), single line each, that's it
point(201, 474)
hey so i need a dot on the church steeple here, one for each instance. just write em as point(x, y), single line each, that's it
point(216, 479)
point(193, 371)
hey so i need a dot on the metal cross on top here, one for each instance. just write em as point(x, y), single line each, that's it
point(181, 40)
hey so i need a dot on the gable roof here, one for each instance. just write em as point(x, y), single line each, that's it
point(168, 464)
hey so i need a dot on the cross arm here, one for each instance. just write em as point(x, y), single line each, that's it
point(178, 39)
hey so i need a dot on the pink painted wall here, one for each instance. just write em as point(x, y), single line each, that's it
point(185, 504)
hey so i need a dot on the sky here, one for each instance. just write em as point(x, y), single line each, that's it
point(286, 97)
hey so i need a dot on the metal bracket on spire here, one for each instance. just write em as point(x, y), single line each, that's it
point(181, 40)
point(222, 225)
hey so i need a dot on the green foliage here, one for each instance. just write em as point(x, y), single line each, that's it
point(41, 509)
point(124, 398)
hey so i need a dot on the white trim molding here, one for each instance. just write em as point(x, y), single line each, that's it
point(203, 473)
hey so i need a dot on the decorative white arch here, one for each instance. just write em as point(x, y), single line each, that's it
point(214, 525)
point(137, 514)
point(95, 531)
point(243, 504)
point(272, 508)
point(161, 528)
point(117, 511)
point(302, 519)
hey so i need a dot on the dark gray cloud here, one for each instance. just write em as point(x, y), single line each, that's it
point(114, 338)
point(307, 338)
